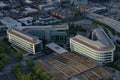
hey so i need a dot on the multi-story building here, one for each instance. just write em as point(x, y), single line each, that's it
point(79, 2)
point(24, 41)
point(10, 22)
point(100, 48)
point(62, 13)
point(51, 33)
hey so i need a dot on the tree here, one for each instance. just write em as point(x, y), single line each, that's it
point(1, 66)
point(16, 68)
point(26, 76)
point(76, 13)
point(35, 77)
point(45, 76)
point(111, 79)
point(37, 70)
point(116, 64)
point(19, 56)
point(29, 63)
point(52, 79)
point(5, 59)
point(17, 71)
point(1, 49)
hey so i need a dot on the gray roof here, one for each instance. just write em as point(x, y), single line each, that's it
point(25, 36)
point(108, 21)
point(56, 48)
point(3, 4)
point(103, 42)
point(49, 27)
point(1, 14)
point(10, 21)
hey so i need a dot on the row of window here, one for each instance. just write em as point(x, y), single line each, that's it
point(25, 45)
point(77, 47)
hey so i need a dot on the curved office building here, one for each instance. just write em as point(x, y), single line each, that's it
point(100, 48)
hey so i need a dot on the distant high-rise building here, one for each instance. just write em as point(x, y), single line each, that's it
point(100, 48)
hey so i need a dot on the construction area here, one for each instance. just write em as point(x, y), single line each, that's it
point(69, 66)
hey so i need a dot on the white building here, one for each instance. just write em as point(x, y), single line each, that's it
point(56, 48)
point(24, 41)
point(52, 1)
point(79, 2)
point(2, 5)
point(28, 1)
point(29, 10)
point(97, 9)
point(46, 7)
point(26, 21)
point(10, 22)
point(100, 48)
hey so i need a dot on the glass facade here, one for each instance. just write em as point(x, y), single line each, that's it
point(38, 33)
point(38, 47)
point(57, 36)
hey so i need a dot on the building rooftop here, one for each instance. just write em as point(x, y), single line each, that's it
point(56, 48)
point(29, 10)
point(3, 4)
point(26, 20)
point(1, 14)
point(25, 36)
point(2, 26)
point(52, 27)
point(69, 66)
point(93, 9)
point(28, 1)
point(62, 13)
point(10, 21)
point(102, 43)
point(98, 73)
point(108, 21)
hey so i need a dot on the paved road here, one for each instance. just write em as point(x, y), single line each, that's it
point(2, 37)
point(116, 73)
